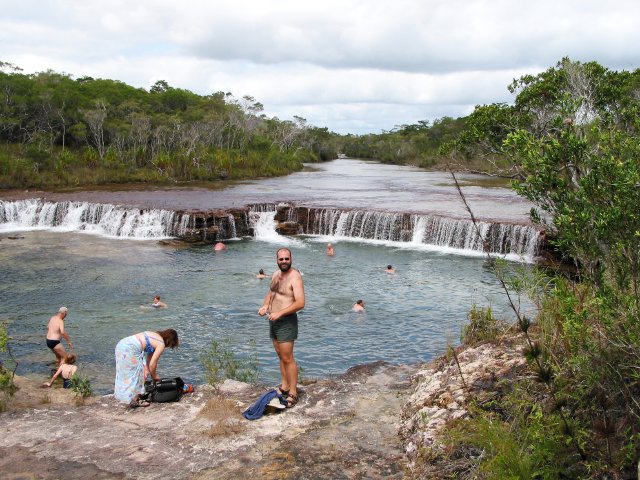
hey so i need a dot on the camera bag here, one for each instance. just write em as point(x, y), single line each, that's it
point(164, 390)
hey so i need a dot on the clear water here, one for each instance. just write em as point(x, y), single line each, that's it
point(108, 284)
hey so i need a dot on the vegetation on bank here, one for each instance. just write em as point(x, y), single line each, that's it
point(418, 144)
point(570, 143)
point(571, 140)
point(7, 368)
point(57, 131)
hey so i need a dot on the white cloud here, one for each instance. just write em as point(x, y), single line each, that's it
point(355, 66)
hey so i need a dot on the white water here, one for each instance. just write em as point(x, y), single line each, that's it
point(430, 232)
point(450, 235)
point(98, 219)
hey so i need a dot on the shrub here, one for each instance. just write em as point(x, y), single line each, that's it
point(7, 387)
point(81, 386)
point(482, 327)
point(220, 362)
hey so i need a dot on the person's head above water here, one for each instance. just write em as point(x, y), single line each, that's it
point(261, 272)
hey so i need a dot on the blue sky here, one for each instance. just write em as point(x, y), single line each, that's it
point(354, 66)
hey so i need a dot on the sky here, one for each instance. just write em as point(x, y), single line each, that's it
point(352, 66)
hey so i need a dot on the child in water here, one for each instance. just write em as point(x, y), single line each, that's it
point(157, 303)
point(66, 370)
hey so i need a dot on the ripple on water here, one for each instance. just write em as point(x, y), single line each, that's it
point(410, 316)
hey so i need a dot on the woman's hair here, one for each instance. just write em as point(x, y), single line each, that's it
point(359, 302)
point(261, 272)
point(71, 358)
point(170, 337)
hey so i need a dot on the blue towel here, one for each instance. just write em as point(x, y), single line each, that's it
point(256, 410)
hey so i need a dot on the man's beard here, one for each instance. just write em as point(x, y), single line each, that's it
point(284, 266)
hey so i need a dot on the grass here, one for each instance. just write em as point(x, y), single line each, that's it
point(224, 415)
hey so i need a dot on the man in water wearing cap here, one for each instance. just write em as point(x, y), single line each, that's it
point(55, 332)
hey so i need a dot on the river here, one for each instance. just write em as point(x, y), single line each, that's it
point(107, 283)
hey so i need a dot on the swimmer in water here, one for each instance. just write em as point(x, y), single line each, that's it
point(219, 246)
point(330, 251)
point(358, 306)
point(157, 303)
point(390, 269)
point(261, 274)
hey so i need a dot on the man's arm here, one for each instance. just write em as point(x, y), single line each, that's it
point(64, 335)
point(265, 304)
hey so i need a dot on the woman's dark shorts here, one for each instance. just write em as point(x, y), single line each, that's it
point(285, 329)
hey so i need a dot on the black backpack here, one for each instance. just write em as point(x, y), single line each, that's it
point(164, 390)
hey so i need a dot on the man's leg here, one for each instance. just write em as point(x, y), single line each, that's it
point(289, 365)
point(284, 384)
point(60, 352)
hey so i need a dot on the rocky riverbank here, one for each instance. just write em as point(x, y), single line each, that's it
point(375, 421)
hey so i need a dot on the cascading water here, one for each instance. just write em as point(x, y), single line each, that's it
point(107, 220)
point(416, 230)
point(426, 230)
point(264, 226)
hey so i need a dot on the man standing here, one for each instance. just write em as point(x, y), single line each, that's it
point(281, 304)
point(55, 332)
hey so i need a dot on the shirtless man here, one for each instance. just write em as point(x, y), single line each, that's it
point(55, 332)
point(281, 304)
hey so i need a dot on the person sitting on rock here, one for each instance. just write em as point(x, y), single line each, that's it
point(66, 370)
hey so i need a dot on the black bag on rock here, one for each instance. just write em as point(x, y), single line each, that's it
point(164, 390)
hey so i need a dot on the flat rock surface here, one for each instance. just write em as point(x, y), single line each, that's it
point(345, 427)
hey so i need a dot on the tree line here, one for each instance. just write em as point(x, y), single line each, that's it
point(56, 130)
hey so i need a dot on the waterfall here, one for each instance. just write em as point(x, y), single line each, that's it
point(415, 230)
point(99, 219)
point(262, 220)
point(264, 226)
point(425, 230)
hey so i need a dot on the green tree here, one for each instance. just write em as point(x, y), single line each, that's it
point(571, 138)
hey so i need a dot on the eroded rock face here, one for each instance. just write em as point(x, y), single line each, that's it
point(341, 428)
point(370, 422)
point(440, 395)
